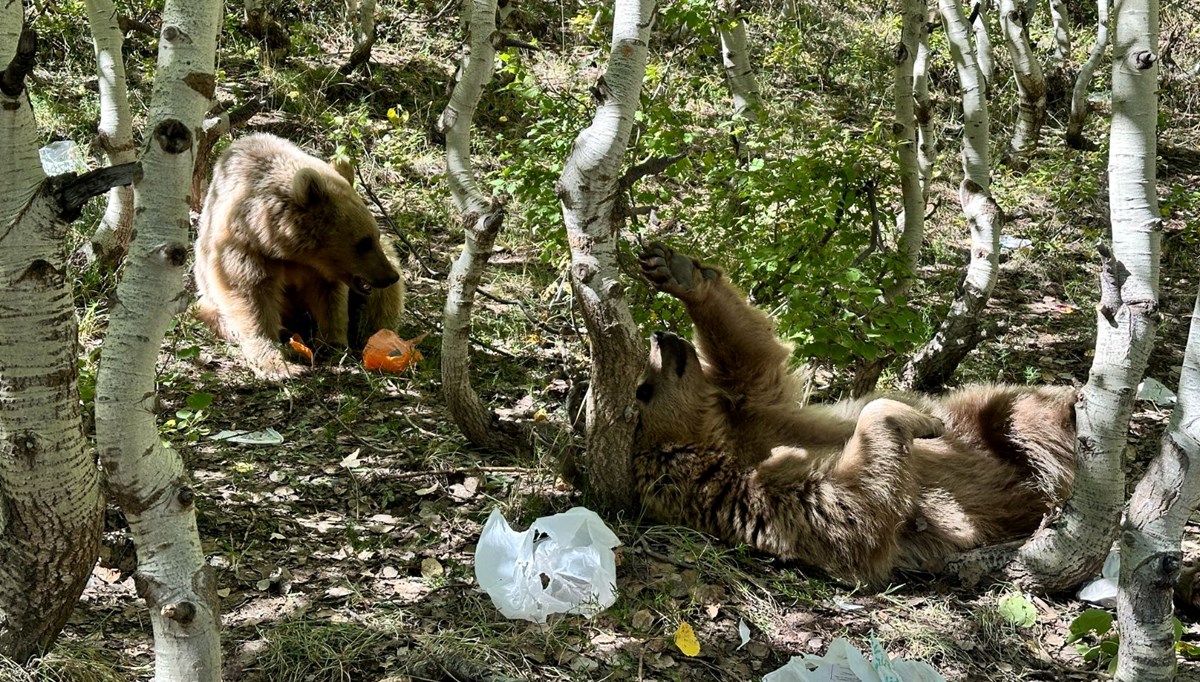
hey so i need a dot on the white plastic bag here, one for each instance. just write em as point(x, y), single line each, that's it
point(1103, 590)
point(844, 663)
point(562, 564)
point(61, 157)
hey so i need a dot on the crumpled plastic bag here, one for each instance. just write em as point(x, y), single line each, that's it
point(1103, 590)
point(562, 564)
point(844, 663)
point(1153, 390)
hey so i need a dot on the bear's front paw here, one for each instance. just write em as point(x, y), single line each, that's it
point(673, 272)
point(276, 369)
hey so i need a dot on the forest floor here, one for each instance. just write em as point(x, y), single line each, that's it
point(346, 552)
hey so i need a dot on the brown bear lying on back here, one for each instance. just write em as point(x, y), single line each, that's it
point(286, 245)
point(859, 488)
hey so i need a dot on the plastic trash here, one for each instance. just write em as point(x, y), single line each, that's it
point(1103, 590)
point(1154, 391)
point(267, 436)
point(844, 663)
point(1009, 243)
point(61, 157)
point(562, 564)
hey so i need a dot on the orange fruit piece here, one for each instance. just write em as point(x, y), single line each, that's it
point(297, 344)
point(387, 352)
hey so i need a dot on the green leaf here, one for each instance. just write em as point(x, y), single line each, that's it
point(199, 400)
point(1178, 628)
point(1018, 610)
point(1092, 620)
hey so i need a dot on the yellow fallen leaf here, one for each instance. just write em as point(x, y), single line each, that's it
point(685, 639)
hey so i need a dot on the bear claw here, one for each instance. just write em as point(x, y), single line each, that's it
point(673, 272)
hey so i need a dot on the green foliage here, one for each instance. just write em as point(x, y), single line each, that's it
point(1017, 610)
point(795, 210)
point(1096, 640)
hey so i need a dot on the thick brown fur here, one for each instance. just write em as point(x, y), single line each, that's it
point(286, 245)
point(860, 488)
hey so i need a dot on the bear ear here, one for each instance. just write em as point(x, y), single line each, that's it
point(308, 187)
point(344, 169)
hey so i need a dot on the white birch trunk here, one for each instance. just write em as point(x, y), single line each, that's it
point(51, 509)
point(1166, 496)
point(735, 55)
point(912, 218)
point(362, 30)
point(923, 111)
point(1073, 547)
point(1079, 100)
point(1031, 82)
point(959, 332)
point(910, 222)
point(983, 42)
point(145, 476)
point(587, 189)
point(1151, 555)
point(482, 218)
point(111, 239)
point(1062, 36)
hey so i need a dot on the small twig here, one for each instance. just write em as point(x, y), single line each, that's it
point(395, 228)
point(524, 309)
point(876, 239)
point(405, 475)
point(651, 166)
point(643, 548)
point(435, 17)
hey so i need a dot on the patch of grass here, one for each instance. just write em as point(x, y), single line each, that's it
point(321, 651)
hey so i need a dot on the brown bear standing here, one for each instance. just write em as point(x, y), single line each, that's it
point(725, 444)
point(286, 245)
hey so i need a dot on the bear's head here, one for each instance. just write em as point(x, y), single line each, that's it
point(677, 402)
point(341, 234)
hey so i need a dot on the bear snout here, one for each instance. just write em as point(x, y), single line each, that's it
point(386, 281)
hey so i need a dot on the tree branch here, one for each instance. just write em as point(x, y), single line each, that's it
point(73, 192)
point(12, 80)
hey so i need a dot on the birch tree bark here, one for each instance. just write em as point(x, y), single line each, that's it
point(146, 477)
point(1170, 490)
point(1031, 83)
point(52, 509)
point(735, 55)
point(482, 218)
point(587, 190)
point(1151, 540)
point(115, 132)
point(1062, 36)
point(1074, 544)
point(362, 23)
point(933, 364)
point(983, 42)
point(911, 219)
point(1079, 101)
point(923, 112)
